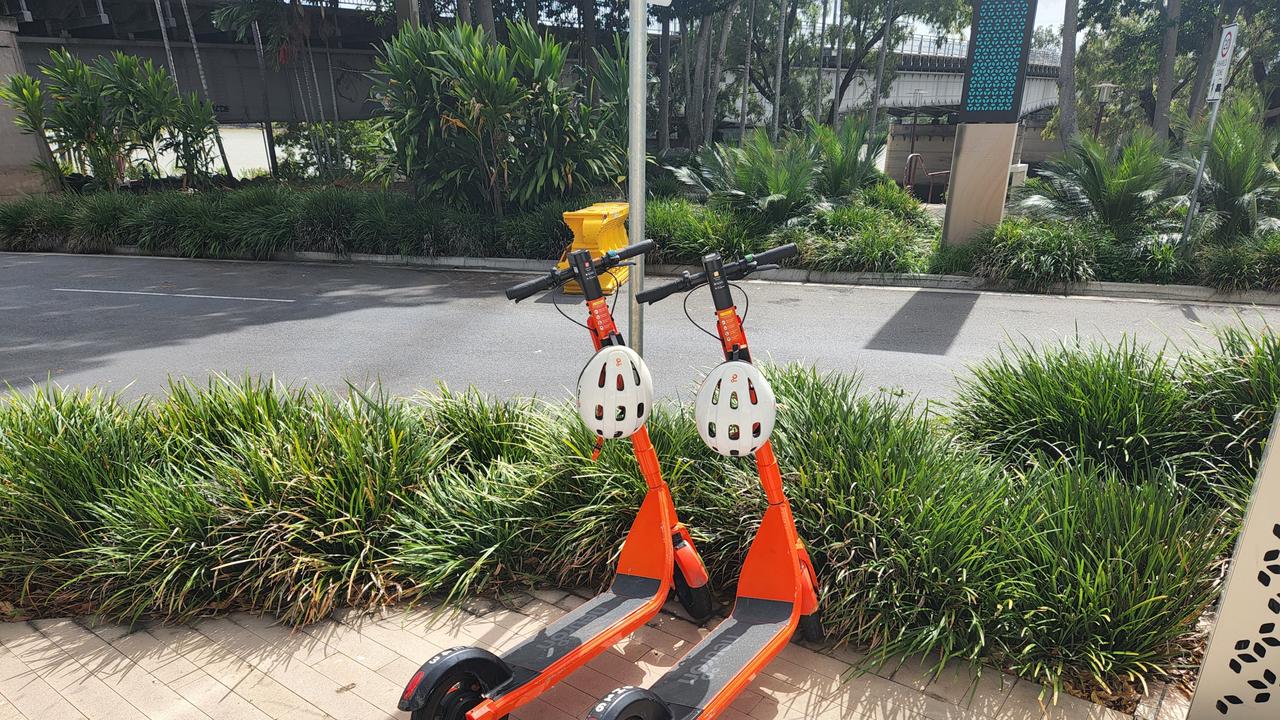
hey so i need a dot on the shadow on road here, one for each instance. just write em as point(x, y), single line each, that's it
point(927, 324)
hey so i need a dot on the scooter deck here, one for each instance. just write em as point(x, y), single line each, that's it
point(628, 594)
point(738, 641)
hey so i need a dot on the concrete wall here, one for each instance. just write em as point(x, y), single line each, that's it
point(17, 151)
point(936, 143)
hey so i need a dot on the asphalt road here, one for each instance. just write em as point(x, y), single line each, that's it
point(128, 324)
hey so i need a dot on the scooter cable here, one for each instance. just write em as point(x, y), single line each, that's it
point(746, 307)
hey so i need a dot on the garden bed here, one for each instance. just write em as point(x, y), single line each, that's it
point(856, 244)
point(1066, 519)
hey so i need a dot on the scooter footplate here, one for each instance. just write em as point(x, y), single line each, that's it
point(627, 594)
point(733, 645)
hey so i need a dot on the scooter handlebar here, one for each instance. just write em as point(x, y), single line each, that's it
point(737, 270)
point(558, 277)
point(774, 255)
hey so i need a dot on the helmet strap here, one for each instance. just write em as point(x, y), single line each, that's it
point(595, 454)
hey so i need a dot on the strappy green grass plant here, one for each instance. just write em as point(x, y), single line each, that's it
point(1122, 406)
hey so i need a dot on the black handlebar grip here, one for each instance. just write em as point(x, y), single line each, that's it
point(639, 248)
point(530, 287)
point(774, 255)
point(654, 294)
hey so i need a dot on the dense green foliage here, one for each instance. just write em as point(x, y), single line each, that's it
point(1036, 255)
point(1013, 548)
point(260, 220)
point(95, 118)
point(496, 125)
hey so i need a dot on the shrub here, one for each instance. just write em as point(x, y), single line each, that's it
point(767, 183)
point(685, 231)
point(1230, 268)
point(1126, 189)
point(1234, 393)
point(100, 220)
point(1107, 580)
point(1154, 259)
point(37, 223)
point(1120, 406)
point(899, 202)
point(858, 238)
point(250, 496)
point(1241, 183)
point(847, 155)
point(187, 224)
point(1035, 256)
point(262, 219)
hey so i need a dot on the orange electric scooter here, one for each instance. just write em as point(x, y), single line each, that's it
point(777, 587)
point(658, 556)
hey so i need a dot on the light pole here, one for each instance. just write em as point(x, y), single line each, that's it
point(1105, 91)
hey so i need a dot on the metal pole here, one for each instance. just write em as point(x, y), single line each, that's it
point(1195, 186)
point(1097, 120)
point(746, 73)
point(884, 51)
point(637, 72)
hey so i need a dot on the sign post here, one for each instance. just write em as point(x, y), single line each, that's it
point(1221, 66)
point(1240, 675)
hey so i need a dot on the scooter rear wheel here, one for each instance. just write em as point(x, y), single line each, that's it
point(811, 628)
point(695, 601)
point(454, 701)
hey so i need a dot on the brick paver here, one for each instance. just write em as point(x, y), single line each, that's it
point(245, 667)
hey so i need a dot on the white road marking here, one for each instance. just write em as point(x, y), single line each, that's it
point(181, 295)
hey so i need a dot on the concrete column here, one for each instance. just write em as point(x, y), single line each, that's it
point(20, 151)
point(979, 179)
point(408, 13)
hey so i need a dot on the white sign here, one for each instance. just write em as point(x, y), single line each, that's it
point(1240, 676)
point(1222, 63)
point(660, 3)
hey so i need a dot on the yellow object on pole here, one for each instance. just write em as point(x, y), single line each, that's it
point(599, 228)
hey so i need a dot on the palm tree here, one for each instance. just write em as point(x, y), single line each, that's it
point(1241, 184)
point(1128, 189)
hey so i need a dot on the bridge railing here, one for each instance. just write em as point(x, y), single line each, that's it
point(933, 45)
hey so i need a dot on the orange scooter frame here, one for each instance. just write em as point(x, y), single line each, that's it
point(475, 684)
point(777, 588)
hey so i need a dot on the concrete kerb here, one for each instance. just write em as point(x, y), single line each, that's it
point(1140, 291)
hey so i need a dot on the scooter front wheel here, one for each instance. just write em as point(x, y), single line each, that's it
point(695, 601)
point(630, 703)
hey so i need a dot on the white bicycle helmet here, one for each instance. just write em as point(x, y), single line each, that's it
point(735, 409)
point(615, 392)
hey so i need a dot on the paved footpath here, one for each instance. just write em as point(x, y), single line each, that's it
point(244, 667)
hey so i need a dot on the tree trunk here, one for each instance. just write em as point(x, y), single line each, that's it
point(464, 11)
point(710, 114)
point(695, 103)
point(204, 85)
point(531, 12)
point(664, 86)
point(855, 64)
point(685, 43)
point(1067, 120)
point(588, 9)
point(746, 72)
point(484, 16)
point(1164, 80)
point(822, 59)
